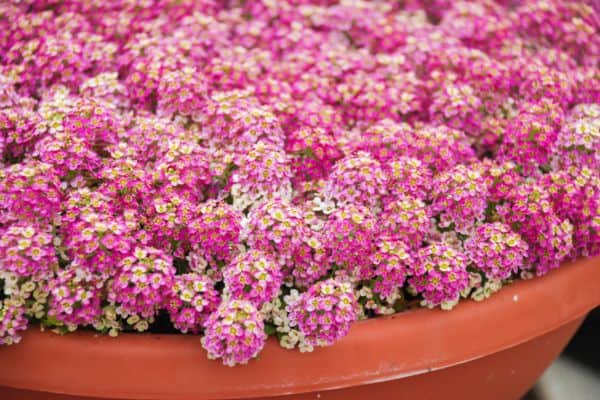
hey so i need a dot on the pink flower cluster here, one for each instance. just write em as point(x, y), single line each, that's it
point(237, 168)
point(459, 197)
point(29, 191)
point(529, 142)
point(143, 283)
point(392, 262)
point(348, 236)
point(253, 276)
point(215, 231)
point(439, 274)
point(279, 228)
point(356, 180)
point(194, 298)
point(324, 312)
point(75, 297)
point(180, 92)
point(27, 251)
point(496, 250)
point(12, 321)
point(578, 138)
point(408, 176)
point(98, 241)
point(407, 218)
point(575, 194)
point(529, 211)
point(234, 333)
point(263, 173)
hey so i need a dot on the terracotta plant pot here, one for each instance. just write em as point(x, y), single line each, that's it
point(495, 349)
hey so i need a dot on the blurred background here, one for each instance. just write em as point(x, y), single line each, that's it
point(576, 374)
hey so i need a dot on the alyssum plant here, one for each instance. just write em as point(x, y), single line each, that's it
point(240, 169)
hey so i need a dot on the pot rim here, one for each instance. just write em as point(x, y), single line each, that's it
point(158, 366)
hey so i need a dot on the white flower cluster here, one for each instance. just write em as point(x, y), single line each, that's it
point(479, 290)
point(24, 293)
point(384, 307)
point(112, 319)
point(324, 206)
point(109, 321)
point(276, 313)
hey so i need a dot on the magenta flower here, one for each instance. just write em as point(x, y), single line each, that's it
point(193, 299)
point(143, 283)
point(392, 262)
point(349, 237)
point(75, 297)
point(324, 313)
point(408, 176)
point(263, 173)
point(202, 166)
point(12, 321)
point(214, 231)
point(529, 210)
point(27, 251)
point(439, 274)
point(234, 333)
point(281, 230)
point(253, 276)
point(357, 179)
point(29, 191)
point(575, 196)
point(459, 197)
point(407, 219)
point(496, 250)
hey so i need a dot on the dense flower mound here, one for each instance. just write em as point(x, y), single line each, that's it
point(392, 261)
point(244, 169)
point(281, 229)
point(349, 235)
point(263, 173)
point(12, 321)
point(143, 283)
point(29, 191)
point(324, 312)
point(253, 276)
point(235, 332)
point(214, 232)
point(575, 194)
point(27, 251)
point(459, 197)
point(193, 300)
point(407, 218)
point(579, 137)
point(75, 297)
point(529, 210)
point(98, 241)
point(357, 179)
point(408, 176)
point(496, 250)
point(439, 274)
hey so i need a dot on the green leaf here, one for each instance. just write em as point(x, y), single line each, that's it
point(270, 329)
